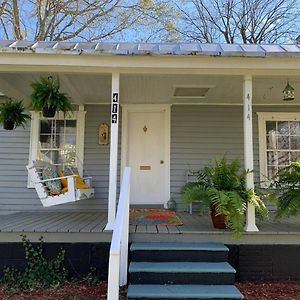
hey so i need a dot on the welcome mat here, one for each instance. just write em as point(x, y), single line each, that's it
point(153, 217)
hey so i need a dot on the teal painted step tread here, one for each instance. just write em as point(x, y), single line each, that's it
point(181, 267)
point(179, 246)
point(184, 291)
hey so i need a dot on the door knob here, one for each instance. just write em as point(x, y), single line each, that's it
point(161, 162)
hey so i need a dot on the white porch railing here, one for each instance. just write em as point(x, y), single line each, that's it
point(118, 255)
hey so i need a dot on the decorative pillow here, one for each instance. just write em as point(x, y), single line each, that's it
point(63, 181)
point(79, 183)
point(54, 186)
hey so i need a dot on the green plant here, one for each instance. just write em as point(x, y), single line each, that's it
point(40, 272)
point(46, 94)
point(92, 277)
point(223, 186)
point(286, 190)
point(13, 112)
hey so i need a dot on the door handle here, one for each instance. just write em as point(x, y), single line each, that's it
point(161, 162)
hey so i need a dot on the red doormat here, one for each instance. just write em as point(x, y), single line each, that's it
point(153, 217)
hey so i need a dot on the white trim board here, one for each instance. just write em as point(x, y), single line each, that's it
point(166, 108)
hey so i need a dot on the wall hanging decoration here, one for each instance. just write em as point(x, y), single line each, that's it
point(288, 93)
point(103, 134)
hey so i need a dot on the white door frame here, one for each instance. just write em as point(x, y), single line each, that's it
point(166, 108)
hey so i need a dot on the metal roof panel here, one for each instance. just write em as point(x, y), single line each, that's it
point(211, 49)
point(227, 50)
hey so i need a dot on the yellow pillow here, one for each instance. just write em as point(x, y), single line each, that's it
point(79, 183)
point(63, 181)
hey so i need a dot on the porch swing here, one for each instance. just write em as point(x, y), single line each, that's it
point(70, 193)
point(58, 187)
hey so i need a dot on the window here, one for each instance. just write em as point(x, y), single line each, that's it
point(279, 142)
point(58, 140)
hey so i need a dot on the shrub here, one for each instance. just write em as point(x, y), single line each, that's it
point(40, 272)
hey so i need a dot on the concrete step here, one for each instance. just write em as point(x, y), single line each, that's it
point(181, 273)
point(178, 252)
point(149, 291)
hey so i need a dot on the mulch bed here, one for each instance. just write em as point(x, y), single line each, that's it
point(68, 291)
point(283, 290)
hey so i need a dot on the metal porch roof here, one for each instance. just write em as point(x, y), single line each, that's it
point(179, 49)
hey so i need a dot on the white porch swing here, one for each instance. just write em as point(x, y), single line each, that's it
point(74, 187)
point(52, 169)
point(71, 195)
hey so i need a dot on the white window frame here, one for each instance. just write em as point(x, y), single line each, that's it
point(79, 116)
point(262, 141)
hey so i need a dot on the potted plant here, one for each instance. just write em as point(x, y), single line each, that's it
point(47, 97)
point(286, 190)
point(12, 114)
point(221, 188)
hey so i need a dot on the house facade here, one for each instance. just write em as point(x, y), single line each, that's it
point(163, 110)
point(178, 106)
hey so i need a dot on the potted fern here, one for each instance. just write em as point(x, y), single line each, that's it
point(12, 114)
point(286, 190)
point(47, 97)
point(221, 187)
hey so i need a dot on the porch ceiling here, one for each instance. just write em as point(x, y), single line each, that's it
point(154, 88)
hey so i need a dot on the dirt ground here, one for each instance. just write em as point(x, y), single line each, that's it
point(283, 290)
point(288, 290)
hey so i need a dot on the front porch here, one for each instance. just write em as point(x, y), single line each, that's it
point(88, 227)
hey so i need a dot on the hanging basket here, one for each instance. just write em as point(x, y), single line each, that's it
point(49, 112)
point(8, 125)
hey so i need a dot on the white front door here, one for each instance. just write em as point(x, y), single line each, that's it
point(146, 152)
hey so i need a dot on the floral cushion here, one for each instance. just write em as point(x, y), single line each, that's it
point(54, 186)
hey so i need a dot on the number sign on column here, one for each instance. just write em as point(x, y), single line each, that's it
point(114, 108)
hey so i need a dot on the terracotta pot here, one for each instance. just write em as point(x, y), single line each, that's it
point(8, 125)
point(218, 220)
point(49, 112)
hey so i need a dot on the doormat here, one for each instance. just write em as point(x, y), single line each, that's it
point(153, 217)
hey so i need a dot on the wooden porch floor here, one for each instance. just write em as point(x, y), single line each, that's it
point(87, 227)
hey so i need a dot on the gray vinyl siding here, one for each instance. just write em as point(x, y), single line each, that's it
point(14, 153)
point(198, 134)
point(201, 133)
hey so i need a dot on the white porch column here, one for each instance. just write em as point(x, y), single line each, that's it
point(113, 164)
point(248, 149)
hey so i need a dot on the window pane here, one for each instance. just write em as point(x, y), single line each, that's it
point(283, 128)
point(283, 158)
point(295, 142)
point(295, 128)
point(68, 154)
point(51, 156)
point(272, 158)
point(295, 156)
point(60, 126)
point(71, 127)
point(283, 142)
point(46, 126)
point(271, 141)
point(271, 171)
point(271, 127)
point(58, 141)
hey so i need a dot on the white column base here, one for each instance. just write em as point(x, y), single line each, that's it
point(250, 219)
